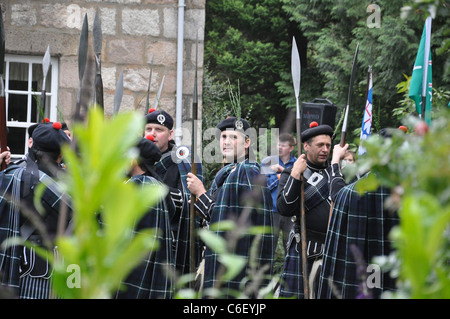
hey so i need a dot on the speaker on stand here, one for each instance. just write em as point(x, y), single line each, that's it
point(318, 110)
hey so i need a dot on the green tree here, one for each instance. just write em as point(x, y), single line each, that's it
point(247, 42)
point(333, 28)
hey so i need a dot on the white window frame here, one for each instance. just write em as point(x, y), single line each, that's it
point(53, 94)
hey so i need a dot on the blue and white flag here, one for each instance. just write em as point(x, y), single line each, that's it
point(367, 118)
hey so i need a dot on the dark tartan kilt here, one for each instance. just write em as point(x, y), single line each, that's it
point(291, 278)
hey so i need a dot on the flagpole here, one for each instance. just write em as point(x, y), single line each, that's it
point(426, 57)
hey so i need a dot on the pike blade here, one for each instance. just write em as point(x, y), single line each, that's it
point(295, 67)
point(352, 78)
point(159, 91)
point(82, 48)
point(45, 67)
point(118, 94)
point(46, 63)
point(97, 34)
point(147, 103)
point(296, 71)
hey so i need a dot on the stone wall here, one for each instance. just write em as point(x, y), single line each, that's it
point(134, 33)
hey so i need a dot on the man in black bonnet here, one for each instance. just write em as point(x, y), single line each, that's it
point(238, 192)
point(23, 270)
point(172, 169)
point(316, 174)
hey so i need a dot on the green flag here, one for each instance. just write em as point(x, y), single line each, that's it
point(420, 89)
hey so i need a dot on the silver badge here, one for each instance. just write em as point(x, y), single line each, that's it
point(182, 152)
point(314, 179)
point(161, 118)
point(239, 125)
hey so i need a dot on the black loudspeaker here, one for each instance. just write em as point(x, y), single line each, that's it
point(321, 111)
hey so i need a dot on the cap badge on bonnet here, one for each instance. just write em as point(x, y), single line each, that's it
point(239, 125)
point(161, 118)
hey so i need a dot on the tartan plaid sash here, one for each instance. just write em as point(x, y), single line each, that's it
point(361, 222)
point(182, 234)
point(153, 278)
point(9, 226)
point(237, 191)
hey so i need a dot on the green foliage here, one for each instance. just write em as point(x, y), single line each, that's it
point(415, 167)
point(247, 41)
point(99, 255)
point(440, 98)
point(232, 264)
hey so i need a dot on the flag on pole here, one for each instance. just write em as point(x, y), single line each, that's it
point(367, 118)
point(420, 89)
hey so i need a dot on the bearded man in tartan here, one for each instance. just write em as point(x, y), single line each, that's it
point(21, 268)
point(238, 193)
point(153, 278)
point(173, 169)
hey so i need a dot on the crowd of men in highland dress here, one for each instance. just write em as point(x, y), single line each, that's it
point(269, 195)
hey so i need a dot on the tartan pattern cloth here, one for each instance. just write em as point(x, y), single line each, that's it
point(291, 278)
point(361, 221)
point(10, 222)
point(153, 278)
point(233, 185)
point(183, 234)
point(289, 205)
point(10, 227)
point(317, 193)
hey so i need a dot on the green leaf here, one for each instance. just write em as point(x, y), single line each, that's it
point(233, 264)
point(217, 243)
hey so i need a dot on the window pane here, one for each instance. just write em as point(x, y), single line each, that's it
point(16, 140)
point(18, 72)
point(17, 105)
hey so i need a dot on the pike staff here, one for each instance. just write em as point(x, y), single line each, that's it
point(296, 73)
point(3, 124)
point(118, 94)
point(350, 93)
point(193, 170)
point(344, 123)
